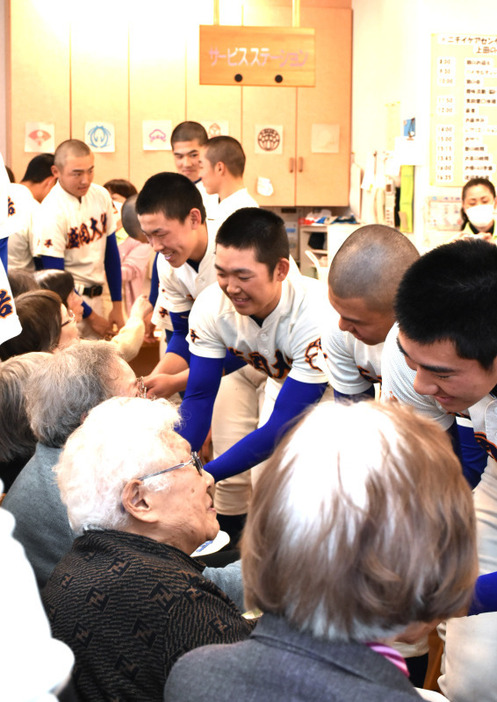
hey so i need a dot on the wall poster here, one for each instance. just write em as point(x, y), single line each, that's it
point(463, 141)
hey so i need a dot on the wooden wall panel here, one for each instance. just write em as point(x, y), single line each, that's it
point(325, 177)
point(39, 37)
point(157, 49)
point(270, 106)
point(211, 102)
point(99, 78)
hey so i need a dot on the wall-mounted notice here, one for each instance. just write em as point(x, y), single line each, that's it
point(463, 141)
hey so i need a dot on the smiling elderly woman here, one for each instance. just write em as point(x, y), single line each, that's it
point(127, 598)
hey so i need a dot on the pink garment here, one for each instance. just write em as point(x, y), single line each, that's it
point(134, 263)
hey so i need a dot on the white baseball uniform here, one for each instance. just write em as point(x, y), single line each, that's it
point(20, 225)
point(9, 321)
point(77, 232)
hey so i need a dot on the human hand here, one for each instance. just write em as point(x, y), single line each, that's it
point(116, 316)
point(98, 323)
point(141, 308)
point(161, 385)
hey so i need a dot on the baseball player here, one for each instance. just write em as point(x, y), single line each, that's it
point(263, 316)
point(446, 334)
point(76, 230)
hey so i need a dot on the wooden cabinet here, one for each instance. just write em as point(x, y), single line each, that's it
point(299, 176)
point(71, 64)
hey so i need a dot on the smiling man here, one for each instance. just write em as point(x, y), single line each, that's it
point(447, 334)
point(263, 315)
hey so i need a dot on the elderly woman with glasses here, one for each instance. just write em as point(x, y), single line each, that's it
point(128, 598)
point(349, 544)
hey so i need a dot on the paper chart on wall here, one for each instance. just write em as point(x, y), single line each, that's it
point(463, 140)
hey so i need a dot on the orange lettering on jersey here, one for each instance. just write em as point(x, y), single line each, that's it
point(11, 208)
point(193, 335)
point(368, 376)
point(311, 352)
point(6, 307)
point(489, 447)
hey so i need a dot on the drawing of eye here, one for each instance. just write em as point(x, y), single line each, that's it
point(39, 135)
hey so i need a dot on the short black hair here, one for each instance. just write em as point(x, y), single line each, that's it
point(257, 229)
point(189, 131)
point(39, 168)
point(172, 194)
point(227, 150)
point(449, 294)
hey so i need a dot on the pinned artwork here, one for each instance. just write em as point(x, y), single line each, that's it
point(268, 139)
point(325, 138)
point(157, 134)
point(216, 128)
point(100, 136)
point(39, 137)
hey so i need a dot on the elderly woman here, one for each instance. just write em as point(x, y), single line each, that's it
point(17, 441)
point(62, 391)
point(348, 545)
point(127, 598)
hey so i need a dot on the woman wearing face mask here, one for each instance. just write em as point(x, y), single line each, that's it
point(478, 204)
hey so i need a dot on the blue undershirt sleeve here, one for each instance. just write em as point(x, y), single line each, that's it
point(4, 248)
point(292, 399)
point(154, 283)
point(485, 595)
point(112, 262)
point(473, 457)
point(52, 262)
point(177, 343)
point(201, 390)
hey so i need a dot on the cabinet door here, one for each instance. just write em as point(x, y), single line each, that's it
point(211, 103)
point(39, 60)
point(99, 80)
point(323, 178)
point(157, 76)
point(266, 106)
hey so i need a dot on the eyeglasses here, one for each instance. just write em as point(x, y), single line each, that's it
point(195, 459)
point(72, 318)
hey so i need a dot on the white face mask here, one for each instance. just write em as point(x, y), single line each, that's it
point(480, 215)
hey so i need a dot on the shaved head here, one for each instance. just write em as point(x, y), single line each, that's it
point(370, 264)
point(72, 147)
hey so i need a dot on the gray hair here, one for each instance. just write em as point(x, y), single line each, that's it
point(121, 439)
point(361, 523)
point(16, 437)
point(68, 386)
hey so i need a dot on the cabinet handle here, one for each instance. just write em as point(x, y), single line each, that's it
point(301, 164)
point(291, 165)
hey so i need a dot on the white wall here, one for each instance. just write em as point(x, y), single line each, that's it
point(391, 62)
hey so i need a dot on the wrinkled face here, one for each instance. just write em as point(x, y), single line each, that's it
point(186, 158)
point(367, 325)
point(75, 304)
point(456, 383)
point(68, 329)
point(176, 241)
point(126, 383)
point(210, 174)
point(188, 517)
point(247, 282)
point(76, 175)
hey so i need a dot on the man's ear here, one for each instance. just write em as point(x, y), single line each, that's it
point(137, 501)
point(220, 168)
point(55, 171)
point(195, 218)
point(282, 269)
